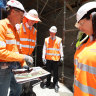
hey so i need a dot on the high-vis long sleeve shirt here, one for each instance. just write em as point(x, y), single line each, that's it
point(9, 43)
point(52, 49)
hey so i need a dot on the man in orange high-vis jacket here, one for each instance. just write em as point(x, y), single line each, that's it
point(9, 45)
point(51, 56)
point(28, 32)
point(85, 55)
point(27, 37)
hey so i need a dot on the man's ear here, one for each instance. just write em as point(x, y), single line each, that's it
point(91, 16)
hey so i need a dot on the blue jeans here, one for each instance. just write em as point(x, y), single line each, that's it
point(15, 88)
point(5, 78)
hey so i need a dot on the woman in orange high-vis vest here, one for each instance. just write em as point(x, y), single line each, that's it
point(85, 55)
point(28, 32)
point(52, 55)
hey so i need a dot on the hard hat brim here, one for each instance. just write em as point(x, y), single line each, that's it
point(32, 18)
point(52, 31)
point(76, 24)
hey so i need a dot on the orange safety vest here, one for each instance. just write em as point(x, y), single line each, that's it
point(27, 39)
point(85, 70)
point(52, 48)
point(9, 43)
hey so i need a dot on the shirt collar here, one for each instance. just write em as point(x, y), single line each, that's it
point(91, 38)
point(9, 24)
point(30, 27)
point(7, 21)
point(53, 38)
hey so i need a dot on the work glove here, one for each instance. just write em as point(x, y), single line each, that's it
point(29, 60)
point(26, 67)
point(61, 59)
point(44, 61)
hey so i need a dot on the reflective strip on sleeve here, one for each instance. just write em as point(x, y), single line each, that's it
point(84, 67)
point(10, 41)
point(52, 54)
point(2, 43)
point(58, 42)
point(27, 46)
point(48, 40)
point(85, 88)
point(25, 39)
point(52, 49)
point(24, 28)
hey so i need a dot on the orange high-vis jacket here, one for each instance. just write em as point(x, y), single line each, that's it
point(53, 48)
point(9, 43)
point(27, 39)
point(85, 70)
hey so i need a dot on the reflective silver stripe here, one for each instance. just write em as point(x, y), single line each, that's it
point(10, 41)
point(58, 42)
point(26, 39)
point(85, 88)
point(84, 67)
point(52, 49)
point(9, 32)
point(17, 52)
point(27, 46)
point(23, 28)
point(52, 54)
point(18, 43)
point(48, 40)
point(93, 50)
point(33, 30)
point(2, 43)
point(76, 61)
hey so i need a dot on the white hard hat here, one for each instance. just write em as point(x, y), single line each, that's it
point(32, 15)
point(16, 4)
point(53, 29)
point(84, 9)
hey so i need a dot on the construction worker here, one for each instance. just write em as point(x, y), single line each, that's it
point(28, 32)
point(28, 39)
point(10, 45)
point(85, 56)
point(51, 56)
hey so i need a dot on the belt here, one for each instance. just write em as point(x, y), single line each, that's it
point(4, 65)
point(12, 65)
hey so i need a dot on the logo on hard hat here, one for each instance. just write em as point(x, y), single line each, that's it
point(32, 15)
point(15, 2)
